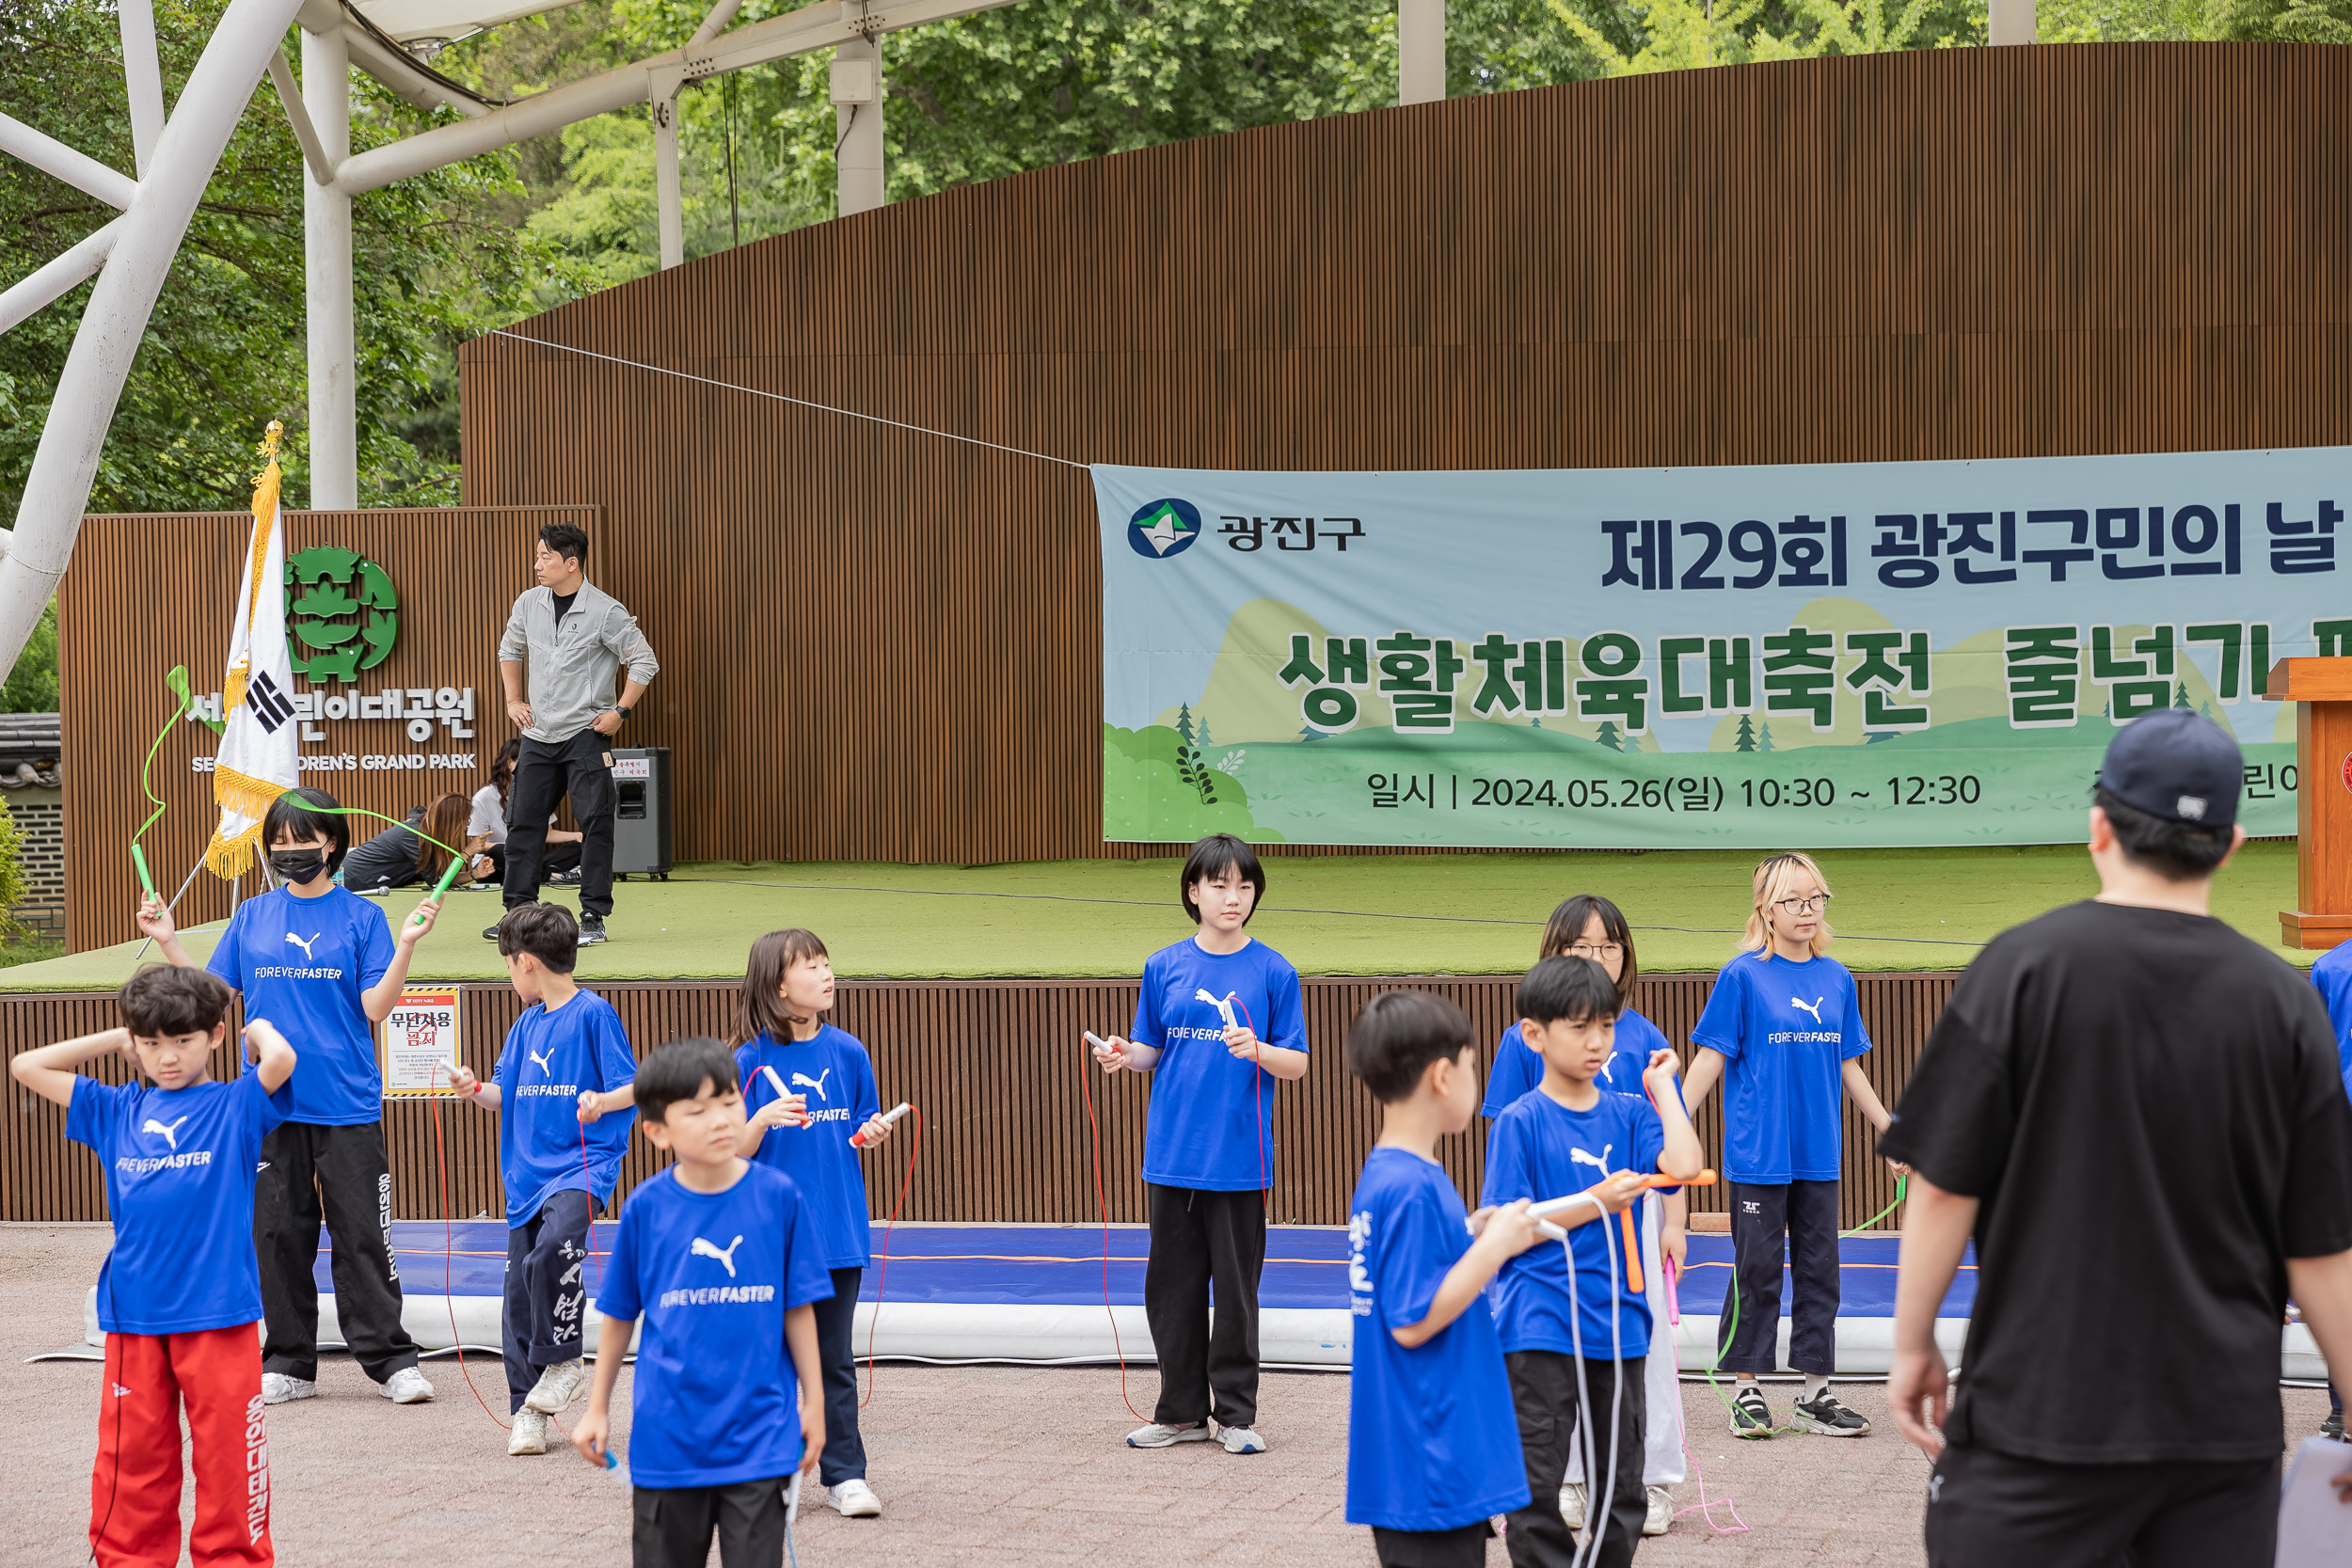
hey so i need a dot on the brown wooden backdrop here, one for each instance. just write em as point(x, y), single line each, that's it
point(884, 645)
point(997, 1068)
point(147, 593)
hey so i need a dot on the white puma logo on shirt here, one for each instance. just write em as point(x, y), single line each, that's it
point(1812, 1007)
point(1578, 1157)
point(817, 1082)
point(171, 1133)
point(304, 945)
point(711, 1249)
point(540, 1060)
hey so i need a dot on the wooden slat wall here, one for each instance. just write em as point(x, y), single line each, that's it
point(147, 593)
point(887, 643)
point(997, 1068)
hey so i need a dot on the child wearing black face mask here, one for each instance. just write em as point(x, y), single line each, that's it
point(319, 962)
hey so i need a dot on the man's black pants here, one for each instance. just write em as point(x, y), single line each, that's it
point(545, 773)
point(340, 1174)
point(1543, 1390)
point(1991, 1510)
point(674, 1524)
point(1199, 1236)
point(546, 1291)
point(1806, 1213)
point(837, 1357)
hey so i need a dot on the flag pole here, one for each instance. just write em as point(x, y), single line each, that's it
point(168, 908)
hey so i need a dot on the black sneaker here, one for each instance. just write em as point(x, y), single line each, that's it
point(590, 929)
point(1750, 1415)
point(1824, 1417)
point(564, 878)
point(2333, 1426)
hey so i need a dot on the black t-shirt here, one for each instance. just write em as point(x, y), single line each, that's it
point(387, 860)
point(2149, 1109)
point(563, 604)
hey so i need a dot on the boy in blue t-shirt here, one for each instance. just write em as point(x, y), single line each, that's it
point(1433, 1446)
point(805, 1133)
point(1783, 1026)
point(179, 1293)
point(317, 961)
point(716, 1255)
point(1218, 1025)
point(2332, 974)
point(1575, 1363)
point(567, 1062)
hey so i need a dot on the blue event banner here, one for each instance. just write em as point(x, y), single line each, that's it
point(1837, 655)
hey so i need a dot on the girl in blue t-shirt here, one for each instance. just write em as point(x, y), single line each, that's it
point(1783, 1028)
point(1219, 1026)
point(829, 1096)
point(1591, 926)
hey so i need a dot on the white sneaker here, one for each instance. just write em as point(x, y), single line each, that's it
point(278, 1388)
point(1240, 1440)
point(852, 1499)
point(528, 1434)
point(558, 1386)
point(406, 1387)
point(1158, 1436)
point(1572, 1504)
point(1662, 1512)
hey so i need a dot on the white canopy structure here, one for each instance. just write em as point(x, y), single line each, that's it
point(175, 155)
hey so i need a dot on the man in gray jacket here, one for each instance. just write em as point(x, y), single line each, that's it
point(575, 638)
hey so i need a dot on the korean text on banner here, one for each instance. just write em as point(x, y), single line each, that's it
point(1882, 654)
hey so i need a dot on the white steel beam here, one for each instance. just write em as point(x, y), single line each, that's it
point(716, 22)
point(2011, 21)
point(327, 279)
point(857, 99)
point(144, 78)
point(57, 488)
point(38, 288)
point(281, 76)
point(1420, 51)
point(669, 189)
point(400, 74)
point(812, 27)
point(78, 169)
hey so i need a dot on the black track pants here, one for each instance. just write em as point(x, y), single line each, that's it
point(1805, 1213)
point(338, 1174)
point(1199, 1236)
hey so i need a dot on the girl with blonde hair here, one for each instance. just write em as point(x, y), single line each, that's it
point(1784, 1031)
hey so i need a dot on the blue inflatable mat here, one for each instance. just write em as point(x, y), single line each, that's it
point(1306, 1268)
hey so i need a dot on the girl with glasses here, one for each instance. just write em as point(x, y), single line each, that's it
point(1591, 926)
point(1783, 1029)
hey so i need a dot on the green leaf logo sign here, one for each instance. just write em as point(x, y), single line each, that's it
point(342, 614)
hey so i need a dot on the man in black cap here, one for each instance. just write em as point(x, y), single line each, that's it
point(2136, 1112)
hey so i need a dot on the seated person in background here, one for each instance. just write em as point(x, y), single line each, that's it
point(398, 856)
point(560, 864)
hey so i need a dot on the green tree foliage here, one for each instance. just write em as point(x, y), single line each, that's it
point(32, 686)
point(224, 352)
point(1745, 739)
point(1608, 735)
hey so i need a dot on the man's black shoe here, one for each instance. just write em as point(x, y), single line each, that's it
point(590, 929)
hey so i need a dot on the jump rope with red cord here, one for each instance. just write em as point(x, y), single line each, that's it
point(1258, 1076)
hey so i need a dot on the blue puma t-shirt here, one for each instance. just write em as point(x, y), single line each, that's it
point(302, 964)
point(1517, 1069)
point(1786, 1030)
point(180, 1166)
point(1211, 1118)
point(1432, 1441)
point(717, 1398)
point(834, 1077)
point(550, 1059)
point(2332, 974)
point(1539, 1149)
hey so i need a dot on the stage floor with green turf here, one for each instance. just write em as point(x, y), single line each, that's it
point(1357, 914)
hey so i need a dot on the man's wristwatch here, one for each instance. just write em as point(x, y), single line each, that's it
point(618, 711)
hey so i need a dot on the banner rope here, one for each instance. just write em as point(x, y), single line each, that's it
point(781, 397)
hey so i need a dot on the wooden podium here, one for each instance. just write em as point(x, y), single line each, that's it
point(2322, 688)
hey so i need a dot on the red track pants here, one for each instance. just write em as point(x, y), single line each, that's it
point(135, 1486)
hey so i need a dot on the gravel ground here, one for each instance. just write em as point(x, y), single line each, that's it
point(981, 1465)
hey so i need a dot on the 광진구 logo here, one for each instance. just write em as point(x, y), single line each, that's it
point(342, 614)
point(1164, 528)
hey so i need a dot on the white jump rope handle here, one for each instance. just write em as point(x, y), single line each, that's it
point(782, 1093)
point(857, 1139)
point(1541, 1212)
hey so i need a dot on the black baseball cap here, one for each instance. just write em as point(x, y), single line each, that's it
point(2177, 766)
